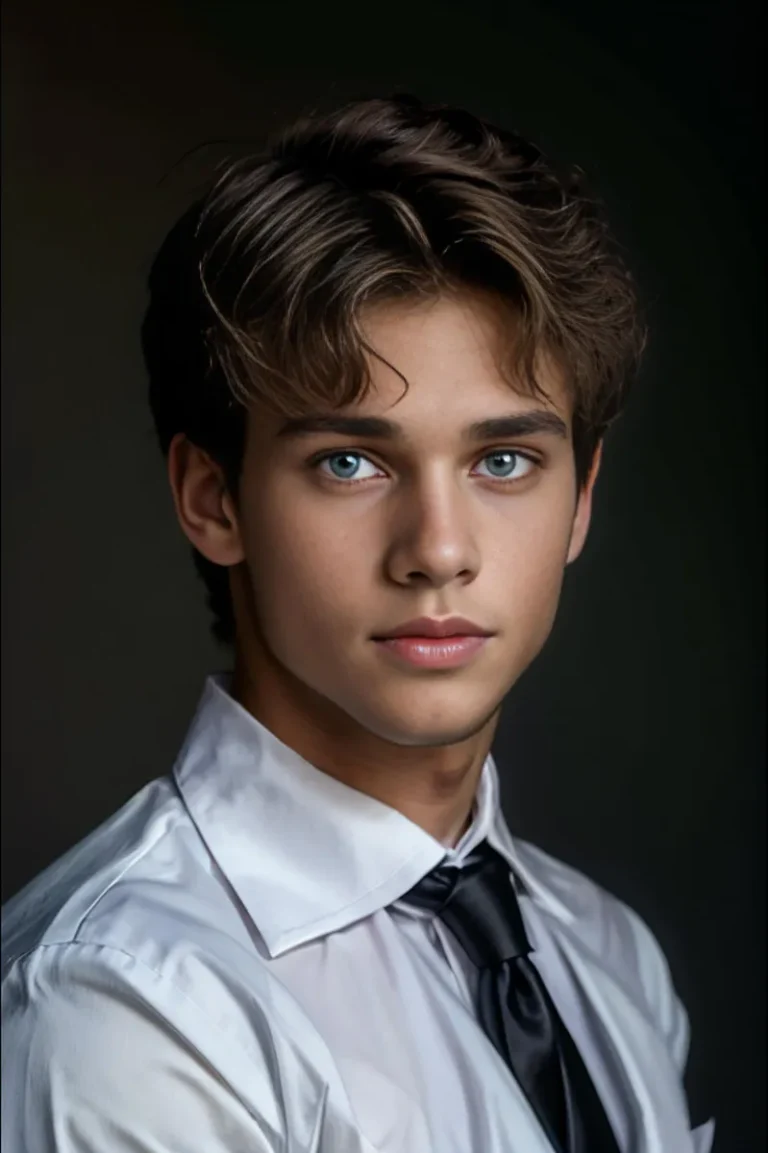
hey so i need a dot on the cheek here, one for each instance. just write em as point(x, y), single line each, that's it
point(532, 535)
point(305, 571)
point(529, 568)
point(533, 591)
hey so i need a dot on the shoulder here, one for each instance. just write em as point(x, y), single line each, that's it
point(55, 904)
point(620, 938)
point(135, 1004)
point(140, 883)
point(138, 906)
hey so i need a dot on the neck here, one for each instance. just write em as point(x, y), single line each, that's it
point(434, 787)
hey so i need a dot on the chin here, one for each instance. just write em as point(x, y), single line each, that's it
point(428, 726)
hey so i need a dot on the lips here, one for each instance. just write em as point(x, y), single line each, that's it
point(433, 643)
point(449, 652)
point(435, 628)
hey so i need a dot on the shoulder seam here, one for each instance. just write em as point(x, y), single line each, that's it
point(128, 865)
point(116, 950)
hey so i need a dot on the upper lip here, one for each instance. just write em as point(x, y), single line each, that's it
point(431, 627)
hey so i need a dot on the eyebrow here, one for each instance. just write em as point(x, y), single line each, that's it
point(497, 427)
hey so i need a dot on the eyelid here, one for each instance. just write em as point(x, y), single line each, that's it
point(534, 456)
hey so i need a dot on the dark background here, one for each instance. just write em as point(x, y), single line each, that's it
point(634, 746)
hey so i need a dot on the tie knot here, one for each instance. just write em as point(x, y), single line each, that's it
point(478, 904)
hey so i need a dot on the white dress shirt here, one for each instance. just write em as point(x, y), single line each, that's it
point(223, 967)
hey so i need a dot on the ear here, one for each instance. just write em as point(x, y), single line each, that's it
point(205, 510)
point(583, 513)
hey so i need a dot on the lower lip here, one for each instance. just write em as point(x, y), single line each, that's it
point(431, 653)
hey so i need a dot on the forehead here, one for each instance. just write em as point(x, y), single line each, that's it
point(451, 352)
point(431, 330)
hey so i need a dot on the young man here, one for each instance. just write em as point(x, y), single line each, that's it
point(383, 358)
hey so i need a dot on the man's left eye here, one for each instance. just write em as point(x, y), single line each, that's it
point(511, 465)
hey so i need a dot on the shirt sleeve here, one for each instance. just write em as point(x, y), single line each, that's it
point(89, 1064)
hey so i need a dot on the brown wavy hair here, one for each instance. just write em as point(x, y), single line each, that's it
point(256, 293)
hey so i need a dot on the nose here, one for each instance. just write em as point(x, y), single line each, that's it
point(433, 541)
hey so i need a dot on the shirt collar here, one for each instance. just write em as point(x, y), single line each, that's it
point(306, 854)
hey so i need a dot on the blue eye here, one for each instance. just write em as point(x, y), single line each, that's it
point(348, 468)
point(509, 461)
point(506, 465)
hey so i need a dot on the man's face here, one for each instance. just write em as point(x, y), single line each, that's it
point(348, 536)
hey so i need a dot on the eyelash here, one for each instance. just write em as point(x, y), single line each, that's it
point(315, 463)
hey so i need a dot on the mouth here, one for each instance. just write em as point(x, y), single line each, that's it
point(435, 628)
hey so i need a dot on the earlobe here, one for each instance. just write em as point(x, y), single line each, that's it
point(203, 507)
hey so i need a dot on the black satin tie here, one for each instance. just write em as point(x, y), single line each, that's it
point(478, 904)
